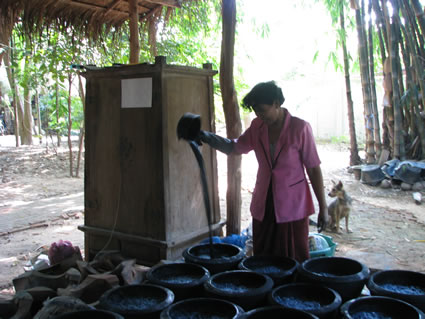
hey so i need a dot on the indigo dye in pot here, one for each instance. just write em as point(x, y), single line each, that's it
point(319, 300)
point(276, 312)
point(379, 307)
point(90, 314)
point(346, 276)
point(281, 269)
point(247, 289)
point(298, 303)
point(402, 289)
point(205, 308)
point(134, 301)
point(226, 256)
point(400, 284)
point(184, 279)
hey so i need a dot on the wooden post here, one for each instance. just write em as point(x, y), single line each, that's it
point(232, 116)
point(134, 32)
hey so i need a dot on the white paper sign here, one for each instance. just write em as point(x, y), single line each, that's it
point(136, 93)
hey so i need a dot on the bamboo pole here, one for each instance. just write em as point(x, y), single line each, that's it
point(364, 74)
point(354, 152)
point(407, 29)
point(376, 133)
point(399, 151)
point(419, 12)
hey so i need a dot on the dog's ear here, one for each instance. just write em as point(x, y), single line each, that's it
point(333, 182)
point(339, 186)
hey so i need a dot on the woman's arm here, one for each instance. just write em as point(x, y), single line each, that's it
point(316, 179)
point(222, 144)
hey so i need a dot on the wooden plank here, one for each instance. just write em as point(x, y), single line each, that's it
point(141, 182)
point(102, 180)
point(211, 124)
point(149, 241)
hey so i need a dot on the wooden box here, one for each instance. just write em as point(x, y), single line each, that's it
point(142, 188)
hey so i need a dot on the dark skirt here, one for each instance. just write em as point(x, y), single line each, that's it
point(280, 239)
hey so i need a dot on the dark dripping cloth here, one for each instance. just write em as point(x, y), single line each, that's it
point(280, 239)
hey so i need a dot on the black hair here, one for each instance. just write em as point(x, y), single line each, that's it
point(263, 93)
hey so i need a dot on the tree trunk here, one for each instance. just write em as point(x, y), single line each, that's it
point(37, 105)
point(27, 123)
point(364, 73)
point(134, 32)
point(232, 116)
point(58, 133)
point(26, 136)
point(8, 58)
point(354, 152)
point(6, 27)
point(82, 127)
point(19, 109)
point(71, 170)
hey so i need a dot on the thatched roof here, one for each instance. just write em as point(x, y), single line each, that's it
point(90, 17)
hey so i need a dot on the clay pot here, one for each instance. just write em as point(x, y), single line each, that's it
point(225, 256)
point(346, 276)
point(202, 308)
point(184, 279)
point(135, 301)
point(276, 312)
point(281, 269)
point(379, 307)
point(400, 284)
point(318, 300)
point(90, 314)
point(247, 289)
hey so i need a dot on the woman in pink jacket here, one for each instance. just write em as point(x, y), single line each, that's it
point(285, 149)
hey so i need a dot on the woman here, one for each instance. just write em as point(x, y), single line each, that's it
point(285, 148)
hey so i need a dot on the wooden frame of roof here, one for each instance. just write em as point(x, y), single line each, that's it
point(89, 17)
point(81, 12)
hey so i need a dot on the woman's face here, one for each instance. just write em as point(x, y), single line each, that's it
point(268, 113)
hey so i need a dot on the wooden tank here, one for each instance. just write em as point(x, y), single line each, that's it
point(142, 188)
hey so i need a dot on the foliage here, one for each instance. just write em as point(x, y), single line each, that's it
point(49, 114)
point(191, 35)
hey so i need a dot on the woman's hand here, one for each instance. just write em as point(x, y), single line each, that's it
point(322, 219)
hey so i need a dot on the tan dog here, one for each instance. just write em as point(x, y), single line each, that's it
point(339, 208)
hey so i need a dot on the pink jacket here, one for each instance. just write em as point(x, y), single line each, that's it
point(294, 150)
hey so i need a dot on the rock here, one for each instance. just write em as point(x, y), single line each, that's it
point(91, 288)
point(52, 278)
point(385, 184)
point(7, 308)
point(24, 303)
point(405, 186)
point(417, 187)
point(417, 197)
point(40, 295)
point(61, 305)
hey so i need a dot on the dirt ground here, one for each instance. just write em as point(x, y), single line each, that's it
point(388, 227)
